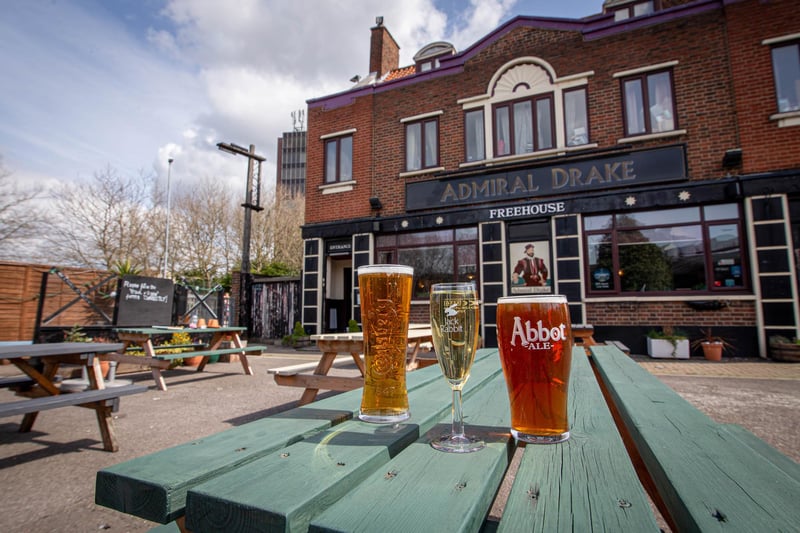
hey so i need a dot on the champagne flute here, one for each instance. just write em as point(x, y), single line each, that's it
point(454, 324)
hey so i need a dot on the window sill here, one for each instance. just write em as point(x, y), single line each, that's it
point(412, 173)
point(334, 188)
point(651, 136)
point(788, 119)
point(560, 151)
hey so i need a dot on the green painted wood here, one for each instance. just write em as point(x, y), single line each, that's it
point(154, 486)
point(430, 490)
point(584, 484)
point(762, 448)
point(208, 353)
point(708, 478)
point(285, 490)
point(44, 403)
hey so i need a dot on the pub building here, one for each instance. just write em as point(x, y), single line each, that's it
point(643, 161)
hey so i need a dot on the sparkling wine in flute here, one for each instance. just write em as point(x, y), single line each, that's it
point(454, 325)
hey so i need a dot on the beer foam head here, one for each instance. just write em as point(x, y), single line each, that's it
point(386, 269)
point(533, 299)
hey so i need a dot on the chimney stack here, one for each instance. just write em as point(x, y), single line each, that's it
point(384, 53)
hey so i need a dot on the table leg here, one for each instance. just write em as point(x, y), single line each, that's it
point(237, 342)
point(325, 363)
point(106, 422)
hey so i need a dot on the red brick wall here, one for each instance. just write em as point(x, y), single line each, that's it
point(706, 106)
point(648, 313)
point(764, 145)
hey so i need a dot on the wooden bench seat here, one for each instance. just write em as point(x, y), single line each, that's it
point(11, 382)
point(291, 370)
point(103, 401)
point(208, 353)
point(624, 349)
point(703, 476)
point(160, 347)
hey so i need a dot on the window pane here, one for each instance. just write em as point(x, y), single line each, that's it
point(721, 212)
point(598, 222)
point(575, 117)
point(346, 159)
point(601, 267)
point(432, 264)
point(425, 237)
point(475, 136)
point(523, 128)
point(657, 218)
point(502, 133)
point(544, 124)
point(431, 144)
point(786, 66)
point(466, 234)
point(726, 255)
point(330, 161)
point(643, 8)
point(467, 262)
point(634, 107)
point(660, 97)
point(413, 146)
point(662, 259)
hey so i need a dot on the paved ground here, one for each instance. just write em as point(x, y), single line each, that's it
point(48, 475)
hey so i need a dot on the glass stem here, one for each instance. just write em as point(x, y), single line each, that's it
point(458, 414)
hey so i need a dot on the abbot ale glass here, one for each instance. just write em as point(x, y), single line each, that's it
point(535, 340)
point(385, 307)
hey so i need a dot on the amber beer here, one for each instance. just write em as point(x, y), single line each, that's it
point(385, 307)
point(535, 340)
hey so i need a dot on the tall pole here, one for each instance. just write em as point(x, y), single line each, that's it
point(169, 206)
point(250, 204)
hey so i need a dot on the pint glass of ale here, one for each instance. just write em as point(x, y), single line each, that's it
point(535, 340)
point(385, 306)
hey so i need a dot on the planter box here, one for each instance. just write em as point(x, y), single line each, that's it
point(663, 349)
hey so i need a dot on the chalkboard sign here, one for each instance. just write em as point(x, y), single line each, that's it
point(143, 301)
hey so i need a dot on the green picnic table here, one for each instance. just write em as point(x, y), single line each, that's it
point(318, 468)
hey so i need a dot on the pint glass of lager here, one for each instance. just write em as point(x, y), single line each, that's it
point(535, 340)
point(385, 307)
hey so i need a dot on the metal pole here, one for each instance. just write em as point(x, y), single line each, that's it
point(169, 205)
point(244, 282)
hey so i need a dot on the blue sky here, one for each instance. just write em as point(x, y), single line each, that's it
point(130, 83)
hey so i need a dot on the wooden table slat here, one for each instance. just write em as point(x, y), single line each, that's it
point(604, 493)
point(315, 472)
point(707, 477)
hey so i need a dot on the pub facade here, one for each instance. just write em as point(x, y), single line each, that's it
point(643, 161)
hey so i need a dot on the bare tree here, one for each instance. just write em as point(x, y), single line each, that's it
point(277, 233)
point(22, 220)
point(108, 221)
point(203, 218)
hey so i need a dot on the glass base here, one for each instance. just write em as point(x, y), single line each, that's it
point(384, 419)
point(458, 444)
point(540, 439)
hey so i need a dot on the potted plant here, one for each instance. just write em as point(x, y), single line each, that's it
point(352, 326)
point(667, 343)
point(783, 349)
point(712, 345)
point(298, 338)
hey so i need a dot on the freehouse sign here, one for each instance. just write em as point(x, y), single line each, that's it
point(575, 177)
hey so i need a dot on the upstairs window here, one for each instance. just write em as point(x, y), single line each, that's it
point(422, 144)
point(634, 9)
point(475, 135)
point(576, 117)
point(339, 159)
point(786, 68)
point(648, 104)
point(524, 126)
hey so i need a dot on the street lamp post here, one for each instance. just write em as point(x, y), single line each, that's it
point(252, 202)
point(169, 204)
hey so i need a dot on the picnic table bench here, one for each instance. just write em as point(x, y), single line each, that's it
point(39, 387)
point(157, 360)
point(317, 468)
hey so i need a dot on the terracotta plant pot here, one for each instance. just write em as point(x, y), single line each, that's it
point(712, 351)
point(192, 360)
